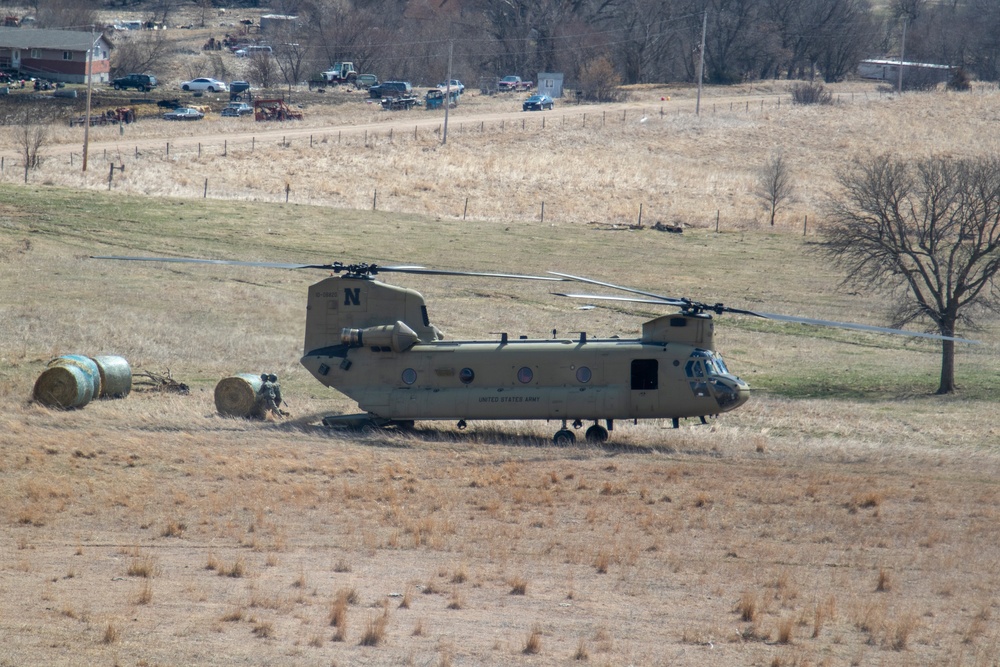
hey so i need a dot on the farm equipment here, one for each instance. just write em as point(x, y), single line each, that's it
point(109, 117)
point(340, 73)
point(400, 103)
point(275, 109)
point(435, 98)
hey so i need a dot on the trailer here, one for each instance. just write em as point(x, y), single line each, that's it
point(400, 103)
point(915, 75)
point(274, 109)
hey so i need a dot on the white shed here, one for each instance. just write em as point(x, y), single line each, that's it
point(551, 84)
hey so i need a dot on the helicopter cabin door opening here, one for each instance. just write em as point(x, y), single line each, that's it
point(645, 383)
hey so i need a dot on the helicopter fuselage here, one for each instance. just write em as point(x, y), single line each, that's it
point(374, 343)
point(532, 379)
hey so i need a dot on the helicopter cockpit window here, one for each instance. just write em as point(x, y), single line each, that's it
point(583, 374)
point(693, 369)
point(466, 375)
point(409, 376)
point(525, 375)
point(722, 365)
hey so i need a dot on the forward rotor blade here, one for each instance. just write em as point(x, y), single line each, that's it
point(442, 272)
point(859, 327)
point(627, 299)
point(772, 316)
point(590, 281)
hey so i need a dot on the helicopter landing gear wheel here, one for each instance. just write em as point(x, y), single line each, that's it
point(563, 437)
point(597, 434)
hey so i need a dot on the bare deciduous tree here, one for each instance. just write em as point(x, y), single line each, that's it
point(30, 133)
point(145, 51)
point(262, 69)
point(930, 231)
point(65, 14)
point(774, 185)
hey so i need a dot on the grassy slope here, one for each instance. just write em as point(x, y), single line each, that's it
point(854, 528)
point(63, 227)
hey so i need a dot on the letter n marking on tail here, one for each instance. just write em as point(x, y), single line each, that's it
point(352, 296)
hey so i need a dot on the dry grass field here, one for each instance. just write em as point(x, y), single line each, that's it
point(843, 517)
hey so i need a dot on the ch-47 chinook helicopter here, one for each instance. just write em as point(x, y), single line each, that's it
point(375, 343)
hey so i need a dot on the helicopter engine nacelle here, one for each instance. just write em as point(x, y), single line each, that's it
point(398, 337)
point(687, 329)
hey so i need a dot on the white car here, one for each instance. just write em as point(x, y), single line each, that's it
point(455, 85)
point(205, 84)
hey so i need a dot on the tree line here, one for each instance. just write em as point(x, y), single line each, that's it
point(631, 41)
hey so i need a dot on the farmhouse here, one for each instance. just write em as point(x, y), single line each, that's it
point(57, 55)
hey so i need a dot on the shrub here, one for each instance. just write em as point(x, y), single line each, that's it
point(811, 93)
point(599, 82)
point(959, 80)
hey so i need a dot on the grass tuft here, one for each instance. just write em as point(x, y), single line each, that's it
point(747, 607)
point(533, 644)
point(375, 630)
point(112, 634)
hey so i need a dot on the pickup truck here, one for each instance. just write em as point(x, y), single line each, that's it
point(510, 84)
point(142, 82)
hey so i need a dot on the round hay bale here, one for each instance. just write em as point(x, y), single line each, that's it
point(116, 376)
point(86, 364)
point(236, 396)
point(64, 386)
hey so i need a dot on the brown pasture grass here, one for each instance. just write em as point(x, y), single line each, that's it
point(648, 548)
point(682, 168)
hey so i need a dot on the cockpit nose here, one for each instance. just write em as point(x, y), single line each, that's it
point(730, 392)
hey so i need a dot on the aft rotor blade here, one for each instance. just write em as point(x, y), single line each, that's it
point(591, 281)
point(858, 327)
point(226, 262)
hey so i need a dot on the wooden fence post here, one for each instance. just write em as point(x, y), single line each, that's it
point(466, 209)
point(543, 213)
point(374, 198)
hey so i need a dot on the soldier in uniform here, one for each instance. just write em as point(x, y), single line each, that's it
point(269, 395)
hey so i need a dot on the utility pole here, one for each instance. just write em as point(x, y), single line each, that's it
point(447, 95)
point(90, 80)
point(701, 61)
point(902, 48)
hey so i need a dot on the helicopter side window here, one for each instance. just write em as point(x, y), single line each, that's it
point(525, 375)
point(466, 375)
point(583, 374)
point(409, 376)
point(700, 389)
point(645, 374)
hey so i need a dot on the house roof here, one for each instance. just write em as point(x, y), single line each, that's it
point(30, 38)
